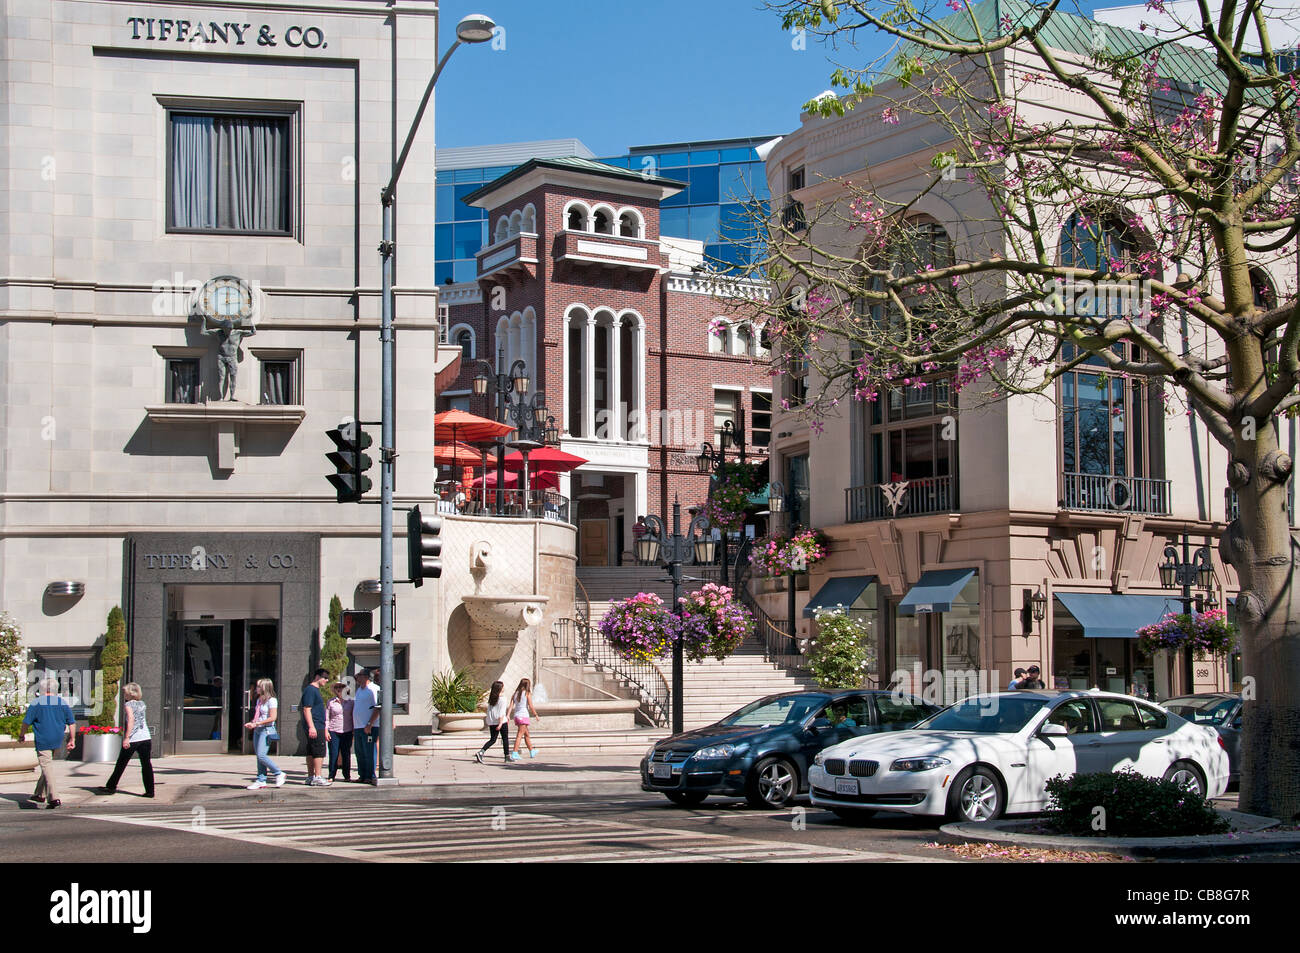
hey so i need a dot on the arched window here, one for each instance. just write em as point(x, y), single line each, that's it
point(629, 224)
point(465, 341)
point(576, 216)
point(529, 222)
point(602, 221)
point(503, 229)
point(744, 341)
point(515, 219)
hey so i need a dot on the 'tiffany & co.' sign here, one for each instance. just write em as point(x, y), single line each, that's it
point(224, 34)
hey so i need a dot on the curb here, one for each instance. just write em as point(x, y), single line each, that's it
point(1255, 840)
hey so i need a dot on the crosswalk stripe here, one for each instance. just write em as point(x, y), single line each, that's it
point(413, 833)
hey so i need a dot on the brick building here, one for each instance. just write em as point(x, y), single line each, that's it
point(625, 332)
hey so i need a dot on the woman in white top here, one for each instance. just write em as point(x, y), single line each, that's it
point(264, 732)
point(497, 722)
point(136, 740)
point(521, 706)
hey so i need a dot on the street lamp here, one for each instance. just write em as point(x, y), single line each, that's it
point(715, 462)
point(1193, 569)
point(530, 416)
point(471, 29)
point(672, 550)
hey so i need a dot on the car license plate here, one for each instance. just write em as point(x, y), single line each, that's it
point(663, 770)
point(846, 786)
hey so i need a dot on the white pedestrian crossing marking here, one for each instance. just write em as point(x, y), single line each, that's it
point(414, 833)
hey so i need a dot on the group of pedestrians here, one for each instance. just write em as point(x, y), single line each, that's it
point(340, 727)
point(500, 713)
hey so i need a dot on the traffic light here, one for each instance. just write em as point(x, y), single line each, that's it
point(423, 547)
point(350, 463)
point(357, 624)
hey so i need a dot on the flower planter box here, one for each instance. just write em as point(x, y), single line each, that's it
point(16, 756)
point(100, 748)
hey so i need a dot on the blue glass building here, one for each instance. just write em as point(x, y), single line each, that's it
point(720, 174)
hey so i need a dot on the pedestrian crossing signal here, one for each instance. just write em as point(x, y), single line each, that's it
point(357, 624)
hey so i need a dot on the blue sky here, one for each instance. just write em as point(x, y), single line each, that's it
point(622, 73)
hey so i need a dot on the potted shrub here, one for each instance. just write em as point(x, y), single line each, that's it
point(454, 697)
point(102, 739)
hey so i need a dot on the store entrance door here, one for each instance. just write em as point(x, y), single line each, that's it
point(212, 666)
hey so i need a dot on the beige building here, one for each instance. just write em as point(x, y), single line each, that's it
point(1072, 496)
point(149, 148)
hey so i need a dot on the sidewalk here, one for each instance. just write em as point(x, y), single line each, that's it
point(199, 779)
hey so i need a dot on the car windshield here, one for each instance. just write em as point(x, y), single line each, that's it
point(1202, 711)
point(775, 711)
point(991, 714)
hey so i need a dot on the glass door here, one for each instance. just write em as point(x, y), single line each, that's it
point(196, 687)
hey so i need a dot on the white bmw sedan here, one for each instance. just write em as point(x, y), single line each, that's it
point(992, 754)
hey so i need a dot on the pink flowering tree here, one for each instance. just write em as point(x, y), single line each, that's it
point(1131, 225)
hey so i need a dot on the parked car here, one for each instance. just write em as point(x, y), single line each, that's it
point(993, 753)
point(763, 751)
point(1220, 711)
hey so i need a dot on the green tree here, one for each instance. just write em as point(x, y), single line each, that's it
point(13, 666)
point(334, 653)
point(1169, 165)
point(112, 658)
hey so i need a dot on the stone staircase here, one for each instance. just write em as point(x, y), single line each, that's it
point(713, 689)
point(629, 744)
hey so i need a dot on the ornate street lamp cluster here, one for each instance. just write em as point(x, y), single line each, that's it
point(672, 550)
point(534, 427)
point(1193, 569)
point(714, 461)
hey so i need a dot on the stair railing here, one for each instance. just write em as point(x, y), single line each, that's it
point(779, 644)
point(583, 642)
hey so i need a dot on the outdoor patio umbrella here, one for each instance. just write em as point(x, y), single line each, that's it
point(551, 459)
point(460, 454)
point(452, 426)
point(541, 481)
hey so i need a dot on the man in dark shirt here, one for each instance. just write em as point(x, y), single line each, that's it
point(313, 721)
point(52, 722)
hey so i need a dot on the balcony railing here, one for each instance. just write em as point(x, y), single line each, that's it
point(1109, 493)
point(1230, 503)
point(792, 216)
point(882, 501)
point(539, 504)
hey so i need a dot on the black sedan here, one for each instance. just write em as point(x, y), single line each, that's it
point(762, 752)
point(1220, 711)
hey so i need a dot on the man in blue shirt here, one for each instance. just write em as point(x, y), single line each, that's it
point(365, 714)
point(315, 727)
point(51, 719)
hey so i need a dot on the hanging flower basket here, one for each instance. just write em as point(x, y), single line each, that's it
point(639, 628)
point(730, 492)
point(781, 555)
point(713, 623)
point(1209, 633)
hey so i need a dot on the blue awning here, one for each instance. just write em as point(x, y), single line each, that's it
point(1107, 615)
point(935, 591)
point(840, 591)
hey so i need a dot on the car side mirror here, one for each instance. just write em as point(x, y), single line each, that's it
point(1236, 722)
point(1051, 730)
point(820, 723)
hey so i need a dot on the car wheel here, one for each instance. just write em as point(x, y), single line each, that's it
point(686, 798)
point(852, 815)
point(773, 782)
point(976, 796)
point(1186, 775)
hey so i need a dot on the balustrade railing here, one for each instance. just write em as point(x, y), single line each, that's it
point(581, 642)
point(1108, 492)
point(882, 501)
point(516, 504)
point(774, 634)
point(1230, 503)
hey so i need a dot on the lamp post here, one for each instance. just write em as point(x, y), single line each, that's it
point(1193, 569)
point(714, 462)
point(671, 550)
point(472, 29)
point(776, 507)
point(533, 426)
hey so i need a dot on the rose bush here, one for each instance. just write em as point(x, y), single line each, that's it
point(842, 653)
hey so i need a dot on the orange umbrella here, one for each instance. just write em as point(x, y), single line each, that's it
point(459, 454)
point(459, 425)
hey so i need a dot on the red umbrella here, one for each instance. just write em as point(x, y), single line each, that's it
point(537, 481)
point(548, 459)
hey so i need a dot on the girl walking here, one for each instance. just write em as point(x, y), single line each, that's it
point(264, 732)
point(138, 741)
point(497, 722)
point(521, 704)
